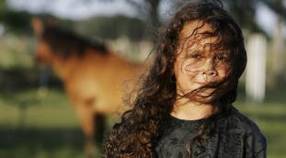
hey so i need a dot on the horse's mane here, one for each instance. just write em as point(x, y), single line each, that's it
point(67, 43)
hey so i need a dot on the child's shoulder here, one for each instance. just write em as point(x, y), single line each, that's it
point(238, 120)
point(238, 123)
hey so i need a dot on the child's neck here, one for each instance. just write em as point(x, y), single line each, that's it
point(188, 110)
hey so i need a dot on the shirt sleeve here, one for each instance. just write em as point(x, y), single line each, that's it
point(260, 146)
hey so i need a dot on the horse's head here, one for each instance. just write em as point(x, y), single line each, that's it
point(44, 53)
point(58, 43)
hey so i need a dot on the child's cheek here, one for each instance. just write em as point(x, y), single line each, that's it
point(189, 66)
point(223, 70)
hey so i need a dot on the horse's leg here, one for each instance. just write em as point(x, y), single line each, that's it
point(85, 113)
point(100, 127)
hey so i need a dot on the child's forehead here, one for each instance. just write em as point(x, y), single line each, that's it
point(199, 34)
point(195, 27)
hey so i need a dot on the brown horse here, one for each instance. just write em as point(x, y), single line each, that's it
point(93, 76)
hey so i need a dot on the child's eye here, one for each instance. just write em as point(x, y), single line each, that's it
point(195, 55)
point(222, 57)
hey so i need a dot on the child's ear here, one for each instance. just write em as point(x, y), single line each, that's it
point(37, 25)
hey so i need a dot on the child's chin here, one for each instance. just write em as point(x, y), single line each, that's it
point(205, 99)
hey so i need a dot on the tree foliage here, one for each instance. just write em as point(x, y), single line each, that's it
point(112, 27)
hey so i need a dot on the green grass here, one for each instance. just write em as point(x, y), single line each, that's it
point(35, 110)
point(44, 125)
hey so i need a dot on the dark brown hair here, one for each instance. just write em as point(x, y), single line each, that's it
point(137, 133)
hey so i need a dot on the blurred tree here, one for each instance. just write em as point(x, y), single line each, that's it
point(112, 27)
point(243, 11)
point(17, 21)
point(278, 55)
point(2, 8)
point(14, 21)
point(149, 8)
point(278, 77)
point(276, 6)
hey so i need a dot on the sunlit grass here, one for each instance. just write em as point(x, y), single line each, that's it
point(50, 111)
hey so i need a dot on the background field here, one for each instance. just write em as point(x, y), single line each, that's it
point(48, 127)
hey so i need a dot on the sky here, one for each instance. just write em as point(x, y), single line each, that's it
point(76, 9)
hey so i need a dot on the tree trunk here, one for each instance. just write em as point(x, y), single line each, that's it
point(278, 55)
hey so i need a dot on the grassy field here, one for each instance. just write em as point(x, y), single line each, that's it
point(43, 125)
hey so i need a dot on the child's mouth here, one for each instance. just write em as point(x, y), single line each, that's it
point(206, 92)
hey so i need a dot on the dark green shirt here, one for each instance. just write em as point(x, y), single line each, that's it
point(235, 136)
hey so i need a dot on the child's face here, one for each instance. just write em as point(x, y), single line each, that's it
point(199, 64)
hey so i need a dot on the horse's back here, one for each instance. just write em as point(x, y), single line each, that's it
point(105, 79)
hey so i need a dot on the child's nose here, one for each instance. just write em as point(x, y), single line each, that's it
point(211, 73)
point(210, 68)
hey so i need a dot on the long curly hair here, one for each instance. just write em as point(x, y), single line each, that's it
point(136, 135)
